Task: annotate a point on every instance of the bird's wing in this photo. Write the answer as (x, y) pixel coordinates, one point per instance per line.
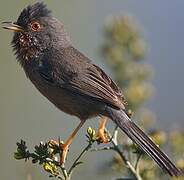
(95, 83)
(74, 72)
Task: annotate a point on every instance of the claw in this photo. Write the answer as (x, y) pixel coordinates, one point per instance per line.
(64, 147)
(101, 131)
(63, 154)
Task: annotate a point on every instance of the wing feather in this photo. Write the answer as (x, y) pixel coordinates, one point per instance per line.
(75, 72)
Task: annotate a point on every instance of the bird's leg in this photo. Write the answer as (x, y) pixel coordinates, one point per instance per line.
(64, 147)
(101, 130)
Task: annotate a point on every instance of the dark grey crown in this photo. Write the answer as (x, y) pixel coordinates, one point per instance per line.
(32, 12)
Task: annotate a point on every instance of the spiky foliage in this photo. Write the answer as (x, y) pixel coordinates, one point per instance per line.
(124, 52)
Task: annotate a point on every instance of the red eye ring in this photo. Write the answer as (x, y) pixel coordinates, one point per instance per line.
(35, 26)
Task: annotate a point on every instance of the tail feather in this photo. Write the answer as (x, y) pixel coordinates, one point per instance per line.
(143, 141)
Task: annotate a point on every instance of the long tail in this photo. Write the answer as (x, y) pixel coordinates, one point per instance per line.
(142, 140)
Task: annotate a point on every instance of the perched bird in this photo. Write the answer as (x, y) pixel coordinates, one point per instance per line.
(71, 81)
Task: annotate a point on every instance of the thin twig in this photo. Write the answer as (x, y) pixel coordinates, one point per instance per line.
(137, 161)
(58, 176)
(65, 174)
(123, 157)
(102, 149)
(78, 158)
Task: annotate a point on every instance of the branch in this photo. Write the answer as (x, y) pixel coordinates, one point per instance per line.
(116, 148)
(77, 162)
(46, 154)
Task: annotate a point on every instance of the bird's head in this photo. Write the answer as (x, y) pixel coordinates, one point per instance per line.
(36, 31)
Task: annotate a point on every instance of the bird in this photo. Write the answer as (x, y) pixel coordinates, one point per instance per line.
(71, 81)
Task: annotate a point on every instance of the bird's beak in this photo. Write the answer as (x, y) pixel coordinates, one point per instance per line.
(12, 26)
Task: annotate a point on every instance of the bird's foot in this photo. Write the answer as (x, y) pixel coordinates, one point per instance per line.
(63, 154)
(62, 148)
(101, 131)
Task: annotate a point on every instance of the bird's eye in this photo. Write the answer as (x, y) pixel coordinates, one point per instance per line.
(35, 26)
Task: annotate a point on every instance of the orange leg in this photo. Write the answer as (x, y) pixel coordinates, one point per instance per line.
(64, 147)
(101, 130)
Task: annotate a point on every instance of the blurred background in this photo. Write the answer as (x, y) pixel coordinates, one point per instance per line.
(25, 113)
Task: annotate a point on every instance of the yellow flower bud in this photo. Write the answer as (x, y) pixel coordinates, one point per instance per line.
(50, 167)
